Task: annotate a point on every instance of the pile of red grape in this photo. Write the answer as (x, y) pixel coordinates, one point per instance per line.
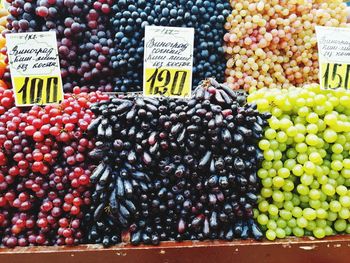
(173, 169)
(101, 42)
(44, 173)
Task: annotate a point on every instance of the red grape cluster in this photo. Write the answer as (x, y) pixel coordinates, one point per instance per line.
(44, 179)
(95, 70)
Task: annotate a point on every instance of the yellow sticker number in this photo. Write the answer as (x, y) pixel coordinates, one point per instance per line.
(335, 75)
(37, 90)
(168, 82)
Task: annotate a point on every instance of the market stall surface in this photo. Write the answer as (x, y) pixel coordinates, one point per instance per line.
(309, 250)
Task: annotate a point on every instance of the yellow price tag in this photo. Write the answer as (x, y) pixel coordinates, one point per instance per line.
(335, 75)
(37, 90)
(168, 61)
(35, 68)
(168, 82)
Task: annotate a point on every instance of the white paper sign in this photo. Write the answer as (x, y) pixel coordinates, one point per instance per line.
(168, 61)
(334, 56)
(35, 68)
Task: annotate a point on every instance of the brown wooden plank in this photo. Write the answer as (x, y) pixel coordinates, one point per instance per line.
(330, 250)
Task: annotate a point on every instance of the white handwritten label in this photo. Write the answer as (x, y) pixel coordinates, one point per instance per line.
(334, 56)
(168, 61)
(35, 68)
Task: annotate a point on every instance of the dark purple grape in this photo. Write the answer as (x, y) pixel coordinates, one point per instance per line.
(178, 177)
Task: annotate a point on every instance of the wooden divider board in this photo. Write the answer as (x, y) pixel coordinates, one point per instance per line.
(293, 250)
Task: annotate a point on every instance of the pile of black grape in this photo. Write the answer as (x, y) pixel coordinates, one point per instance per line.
(101, 42)
(131, 16)
(175, 169)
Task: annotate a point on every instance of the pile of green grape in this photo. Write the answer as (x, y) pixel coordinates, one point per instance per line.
(306, 172)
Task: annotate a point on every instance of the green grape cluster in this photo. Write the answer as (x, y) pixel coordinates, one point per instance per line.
(305, 174)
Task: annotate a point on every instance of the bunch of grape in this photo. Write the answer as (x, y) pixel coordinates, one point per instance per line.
(83, 36)
(273, 43)
(67, 19)
(44, 174)
(306, 171)
(101, 42)
(176, 169)
(95, 69)
(130, 18)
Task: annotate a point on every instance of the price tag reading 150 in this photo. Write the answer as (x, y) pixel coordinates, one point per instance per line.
(334, 57)
(168, 61)
(335, 75)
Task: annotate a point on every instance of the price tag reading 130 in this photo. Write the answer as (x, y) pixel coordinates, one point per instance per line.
(334, 57)
(168, 61)
(35, 69)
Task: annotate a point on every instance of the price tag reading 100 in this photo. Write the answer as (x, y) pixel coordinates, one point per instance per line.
(37, 90)
(168, 61)
(35, 69)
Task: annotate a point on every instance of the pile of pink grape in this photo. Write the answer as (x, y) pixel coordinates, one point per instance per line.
(272, 43)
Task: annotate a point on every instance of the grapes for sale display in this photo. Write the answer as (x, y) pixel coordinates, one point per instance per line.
(101, 42)
(176, 169)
